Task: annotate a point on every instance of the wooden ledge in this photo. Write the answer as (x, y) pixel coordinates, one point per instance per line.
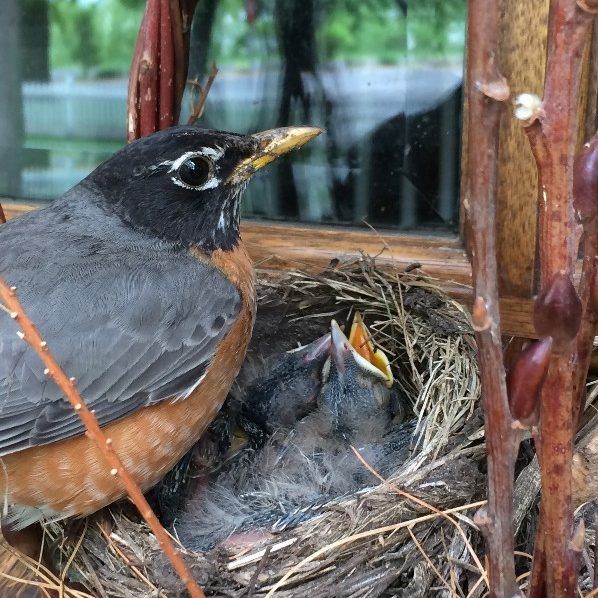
(278, 246)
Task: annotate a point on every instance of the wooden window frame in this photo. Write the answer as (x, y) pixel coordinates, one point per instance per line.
(284, 246)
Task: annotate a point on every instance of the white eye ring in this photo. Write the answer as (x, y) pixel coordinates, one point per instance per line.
(210, 180)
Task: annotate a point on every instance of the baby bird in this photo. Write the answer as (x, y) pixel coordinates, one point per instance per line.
(274, 392)
(281, 390)
(355, 400)
(308, 461)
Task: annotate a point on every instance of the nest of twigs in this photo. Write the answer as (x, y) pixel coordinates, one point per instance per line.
(411, 535)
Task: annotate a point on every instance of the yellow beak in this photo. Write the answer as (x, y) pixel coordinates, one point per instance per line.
(271, 145)
(361, 340)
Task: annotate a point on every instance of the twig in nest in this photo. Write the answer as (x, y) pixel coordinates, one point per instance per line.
(259, 568)
(70, 560)
(49, 581)
(198, 104)
(136, 571)
(423, 503)
(68, 386)
(372, 533)
(428, 560)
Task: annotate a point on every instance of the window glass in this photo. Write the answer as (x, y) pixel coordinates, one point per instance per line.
(384, 77)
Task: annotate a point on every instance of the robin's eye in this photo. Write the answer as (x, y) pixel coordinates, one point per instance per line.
(195, 172)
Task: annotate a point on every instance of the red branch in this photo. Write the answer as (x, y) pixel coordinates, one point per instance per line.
(167, 68)
(587, 210)
(149, 69)
(69, 388)
(486, 91)
(553, 139)
(159, 67)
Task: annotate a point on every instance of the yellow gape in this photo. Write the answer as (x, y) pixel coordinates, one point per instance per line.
(361, 341)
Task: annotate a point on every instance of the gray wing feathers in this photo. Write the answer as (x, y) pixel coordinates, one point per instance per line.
(134, 324)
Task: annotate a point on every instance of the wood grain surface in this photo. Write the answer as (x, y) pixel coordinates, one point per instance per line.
(286, 246)
(523, 59)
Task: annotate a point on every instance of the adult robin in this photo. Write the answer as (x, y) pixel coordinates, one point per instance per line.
(138, 280)
(306, 464)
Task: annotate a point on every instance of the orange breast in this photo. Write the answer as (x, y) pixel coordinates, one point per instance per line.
(71, 476)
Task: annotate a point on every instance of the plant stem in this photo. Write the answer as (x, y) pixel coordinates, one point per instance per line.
(159, 67)
(486, 90)
(553, 138)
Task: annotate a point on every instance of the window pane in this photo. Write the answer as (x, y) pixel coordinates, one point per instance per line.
(384, 77)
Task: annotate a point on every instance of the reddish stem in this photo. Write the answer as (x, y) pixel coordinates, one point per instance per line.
(198, 107)
(589, 322)
(133, 92)
(486, 89)
(167, 68)
(586, 202)
(187, 9)
(159, 67)
(181, 58)
(149, 70)
(553, 141)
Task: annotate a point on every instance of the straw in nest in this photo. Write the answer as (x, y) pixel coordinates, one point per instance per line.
(412, 534)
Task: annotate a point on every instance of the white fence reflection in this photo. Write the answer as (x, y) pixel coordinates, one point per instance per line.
(94, 110)
(72, 126)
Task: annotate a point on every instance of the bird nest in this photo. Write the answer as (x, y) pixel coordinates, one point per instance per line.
(410, 534)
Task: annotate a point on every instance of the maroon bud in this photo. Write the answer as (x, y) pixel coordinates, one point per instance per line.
(585, 182)
(525, 380)
(557, 310)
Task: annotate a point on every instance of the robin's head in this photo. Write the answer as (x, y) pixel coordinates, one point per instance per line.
(184, 184)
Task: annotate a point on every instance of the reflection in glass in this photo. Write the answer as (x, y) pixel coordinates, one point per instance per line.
(382, 76)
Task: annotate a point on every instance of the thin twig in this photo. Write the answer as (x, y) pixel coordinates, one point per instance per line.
(428, 560)
(49, 580)
(70, 560)
(136, 571)
(198, 106)
(364, 535)
(259, 568)
(422, 503)
(69, 388)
